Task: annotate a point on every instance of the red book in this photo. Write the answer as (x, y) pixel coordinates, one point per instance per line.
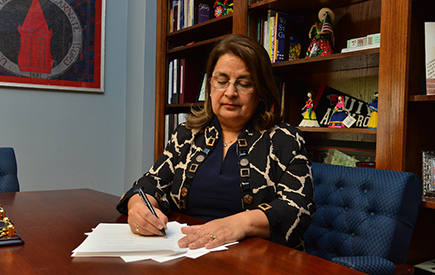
(190, 79)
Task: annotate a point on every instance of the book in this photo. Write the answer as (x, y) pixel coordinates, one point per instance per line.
(277, 31)
(186, 13)
(180, 15)
(373, 39)
(279, 37)
(271, 33)
(429, 34)
(295, 48)
(266, 35)
(203, 13)
(175, 81)
(174, 25)
(326, 99)
(359, 48)
(362, 43)
(182, 117)
(190, 78)
(170, 81)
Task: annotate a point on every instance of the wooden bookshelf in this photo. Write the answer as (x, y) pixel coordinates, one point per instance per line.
(394, 69)
(405, 119)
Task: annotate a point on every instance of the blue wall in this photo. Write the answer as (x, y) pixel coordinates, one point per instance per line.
(69, 140)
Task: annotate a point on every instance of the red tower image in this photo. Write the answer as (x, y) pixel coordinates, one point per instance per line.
(35, 55)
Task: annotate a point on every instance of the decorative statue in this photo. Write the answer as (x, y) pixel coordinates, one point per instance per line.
(310, 119)
(222, 8)
(373, 121)
(338, 115)
(323, 36)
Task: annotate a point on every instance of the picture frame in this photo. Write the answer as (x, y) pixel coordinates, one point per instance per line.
(428, 163)
(52, 44)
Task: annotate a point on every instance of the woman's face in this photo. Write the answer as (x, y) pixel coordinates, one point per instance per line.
(233, 108)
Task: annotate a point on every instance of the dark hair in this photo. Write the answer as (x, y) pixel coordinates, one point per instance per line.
(257, 61)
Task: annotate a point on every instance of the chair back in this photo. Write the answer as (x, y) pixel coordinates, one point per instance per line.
(363, 212)
(8, 170)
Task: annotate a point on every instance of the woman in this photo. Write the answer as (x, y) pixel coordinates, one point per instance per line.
(233, 155)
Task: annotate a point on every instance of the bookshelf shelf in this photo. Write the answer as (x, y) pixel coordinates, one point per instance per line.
(201, 46)
(337, 130)
(421, 98)
(181, 108)
(200, 33)
(302, 7)
(335, 62)
(198, 29)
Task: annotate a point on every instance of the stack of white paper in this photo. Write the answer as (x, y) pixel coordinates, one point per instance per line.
(117, 240)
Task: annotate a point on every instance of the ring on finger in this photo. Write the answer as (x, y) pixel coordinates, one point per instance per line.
(212, 237)
(137, 228)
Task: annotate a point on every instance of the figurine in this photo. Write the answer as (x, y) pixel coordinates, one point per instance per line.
(323, 39)
(222, 8)
(310, 119)
(373, 121)
(338, 115)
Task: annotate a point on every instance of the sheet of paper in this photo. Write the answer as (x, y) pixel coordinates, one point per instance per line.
(116, 239)
(193, 254)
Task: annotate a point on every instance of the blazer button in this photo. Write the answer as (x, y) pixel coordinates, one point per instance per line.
(247, 199)
(244, 162)
(184, 191)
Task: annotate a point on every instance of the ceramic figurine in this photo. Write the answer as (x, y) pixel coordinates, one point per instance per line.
(373, 121)
(310, 119)
(322, 35)
(338, 115)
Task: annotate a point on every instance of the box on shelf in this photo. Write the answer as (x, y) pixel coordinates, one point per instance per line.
(361, 43)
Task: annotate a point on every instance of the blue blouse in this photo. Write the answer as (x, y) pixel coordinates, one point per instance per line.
(215, 190)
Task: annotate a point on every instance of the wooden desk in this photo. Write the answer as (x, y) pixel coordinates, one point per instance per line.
(53, 223)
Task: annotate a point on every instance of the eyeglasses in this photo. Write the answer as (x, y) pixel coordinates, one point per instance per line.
(221, 83)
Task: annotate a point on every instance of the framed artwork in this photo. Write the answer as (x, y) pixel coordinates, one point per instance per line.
(52, 44)
(428, 173)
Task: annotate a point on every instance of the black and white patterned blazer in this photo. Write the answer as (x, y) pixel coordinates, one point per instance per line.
(275, 176)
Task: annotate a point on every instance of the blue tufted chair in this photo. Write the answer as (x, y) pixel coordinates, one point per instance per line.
(365, 217)
(8, 170)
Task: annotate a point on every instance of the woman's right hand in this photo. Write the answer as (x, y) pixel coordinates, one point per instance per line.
(141, 220)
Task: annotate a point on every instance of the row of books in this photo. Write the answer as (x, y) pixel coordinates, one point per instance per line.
(185, 80)
(171, 122)
(186, 13)
(280, 35)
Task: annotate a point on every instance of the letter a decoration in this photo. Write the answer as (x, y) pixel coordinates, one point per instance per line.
(52, 44)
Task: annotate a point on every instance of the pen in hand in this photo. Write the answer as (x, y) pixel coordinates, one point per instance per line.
(148, 204)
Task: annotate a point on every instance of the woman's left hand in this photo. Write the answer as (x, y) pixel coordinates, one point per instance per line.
(226, 230)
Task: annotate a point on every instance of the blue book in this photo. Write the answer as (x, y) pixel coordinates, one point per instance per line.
(181, 14)
(279, 37)
(203, 13)
(174, 15)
